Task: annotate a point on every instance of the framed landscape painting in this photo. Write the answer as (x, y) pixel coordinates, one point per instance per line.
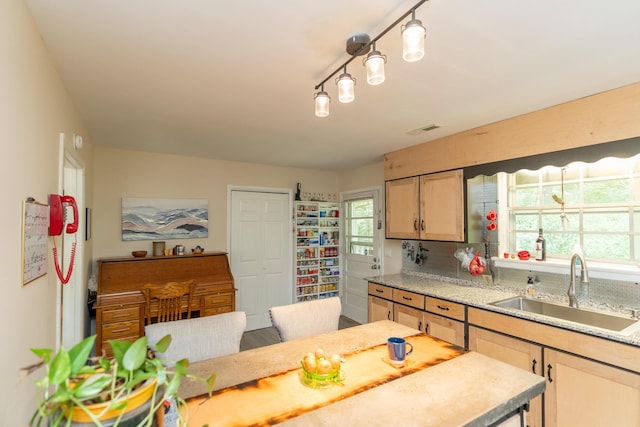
(164, 219)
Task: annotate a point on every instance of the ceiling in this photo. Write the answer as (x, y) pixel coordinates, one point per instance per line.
(234, 80)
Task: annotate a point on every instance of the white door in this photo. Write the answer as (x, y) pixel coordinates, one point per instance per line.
(260, 253)
(362, 249)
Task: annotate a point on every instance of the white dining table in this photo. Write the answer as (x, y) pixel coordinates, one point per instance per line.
(440, 385)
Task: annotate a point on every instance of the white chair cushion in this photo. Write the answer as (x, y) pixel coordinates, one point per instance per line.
(307, 318)
(200, 338)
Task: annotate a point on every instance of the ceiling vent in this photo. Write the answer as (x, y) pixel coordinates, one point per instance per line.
(423, 129)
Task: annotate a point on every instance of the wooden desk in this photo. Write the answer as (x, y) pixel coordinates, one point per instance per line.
(120, 306)
(441, 385)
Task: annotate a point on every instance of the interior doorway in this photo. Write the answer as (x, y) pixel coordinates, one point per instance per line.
(260, 251)
(72, 296)
(362, 250)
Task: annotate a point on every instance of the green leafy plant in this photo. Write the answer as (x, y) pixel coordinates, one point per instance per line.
(74, 379)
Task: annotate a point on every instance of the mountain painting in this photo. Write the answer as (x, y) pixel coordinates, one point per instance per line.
(153, 219)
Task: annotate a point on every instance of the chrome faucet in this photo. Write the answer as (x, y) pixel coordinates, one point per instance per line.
(584, 278)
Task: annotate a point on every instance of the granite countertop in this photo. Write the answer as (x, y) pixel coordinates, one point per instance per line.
(480, 296)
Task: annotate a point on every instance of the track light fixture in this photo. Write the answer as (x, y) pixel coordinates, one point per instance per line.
(374, 62)
(413, 36)
(322, 102)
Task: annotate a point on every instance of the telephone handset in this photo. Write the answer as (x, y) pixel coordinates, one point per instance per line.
(58, 214)
(57, 219)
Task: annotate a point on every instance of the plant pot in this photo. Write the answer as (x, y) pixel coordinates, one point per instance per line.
(138, 406)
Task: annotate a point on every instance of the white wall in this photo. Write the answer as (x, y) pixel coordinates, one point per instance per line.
(34, 109)
(122, 173)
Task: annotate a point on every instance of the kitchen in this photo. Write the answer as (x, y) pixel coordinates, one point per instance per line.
(114, 172)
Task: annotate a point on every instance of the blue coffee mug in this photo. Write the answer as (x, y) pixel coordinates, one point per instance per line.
(398, 350)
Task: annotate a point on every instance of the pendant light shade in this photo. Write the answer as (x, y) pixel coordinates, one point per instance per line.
(322, 102)
(374, 62)
(413, 35)
(346, 87)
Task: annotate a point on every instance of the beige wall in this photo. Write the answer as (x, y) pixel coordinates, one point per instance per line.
(34, 109)
(122, 173)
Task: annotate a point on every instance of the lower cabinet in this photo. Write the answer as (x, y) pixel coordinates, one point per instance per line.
(407, 308)
(513, 351)
(581, 392)
(380, 309)
(444, 328)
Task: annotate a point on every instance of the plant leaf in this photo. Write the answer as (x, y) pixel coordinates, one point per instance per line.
(43, 353)
(119, 349)
(80, 352)
(60, 367)
(164, 343)
(135, 354)
(93, 385)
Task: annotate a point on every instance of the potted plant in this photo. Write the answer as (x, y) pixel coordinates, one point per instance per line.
(125, 390)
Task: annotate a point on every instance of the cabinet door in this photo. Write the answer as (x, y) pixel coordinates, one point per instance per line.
(442, 206)
(582, 392)
(380, 309)
(515, 352)
(408, 316)
(402, 208)
(445, 329)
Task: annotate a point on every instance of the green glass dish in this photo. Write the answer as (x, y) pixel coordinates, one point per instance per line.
(316, 380)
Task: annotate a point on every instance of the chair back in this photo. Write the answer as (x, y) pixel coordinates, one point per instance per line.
(169, 300)
(201, 337)
(306, 319)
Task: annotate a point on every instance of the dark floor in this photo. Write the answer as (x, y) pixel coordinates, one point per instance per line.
(267, 336)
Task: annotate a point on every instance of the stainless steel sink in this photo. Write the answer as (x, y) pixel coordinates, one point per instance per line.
(610, 322)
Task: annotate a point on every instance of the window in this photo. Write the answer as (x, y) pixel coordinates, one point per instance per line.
(596, 206)
(359, 226)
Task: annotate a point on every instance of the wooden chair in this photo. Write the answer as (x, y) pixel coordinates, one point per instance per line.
(306, 319)
(168, 298)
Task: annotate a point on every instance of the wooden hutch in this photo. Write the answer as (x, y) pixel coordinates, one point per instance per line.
(120, 306)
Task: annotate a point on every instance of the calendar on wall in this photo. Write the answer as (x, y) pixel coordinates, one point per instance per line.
(35, 230)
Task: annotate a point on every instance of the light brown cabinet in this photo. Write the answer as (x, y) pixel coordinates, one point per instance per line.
(580, 390)
(120, 306)
(428, 207)
(513, 351)
(408, 308)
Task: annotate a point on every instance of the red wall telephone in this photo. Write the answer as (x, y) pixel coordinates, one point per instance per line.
(57, 214)
(57, 219)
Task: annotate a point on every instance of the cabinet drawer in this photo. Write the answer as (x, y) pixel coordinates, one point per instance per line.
(209, 301)
(445, 308)
(408, 298)
(121, 314)
(380, 291)
(216, 310)
(120, 330)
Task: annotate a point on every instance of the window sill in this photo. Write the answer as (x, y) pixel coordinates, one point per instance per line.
(597, 270)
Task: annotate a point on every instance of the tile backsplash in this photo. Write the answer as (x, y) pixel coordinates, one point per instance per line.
(438, 259)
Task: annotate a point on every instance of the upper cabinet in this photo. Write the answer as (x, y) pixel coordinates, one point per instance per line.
(428, 207)
(403, 208)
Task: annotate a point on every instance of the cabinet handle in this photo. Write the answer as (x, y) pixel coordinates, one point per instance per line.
(533, 366)
(389, 315)
(422, 225)
(415, 224)
(121, 315)
(407, 298)
(379, 290)
(549, 373)
(121, 330)
(426, 328)
(443, 308)
(420, 325)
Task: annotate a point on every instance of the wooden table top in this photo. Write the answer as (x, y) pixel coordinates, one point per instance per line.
(263, 386)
